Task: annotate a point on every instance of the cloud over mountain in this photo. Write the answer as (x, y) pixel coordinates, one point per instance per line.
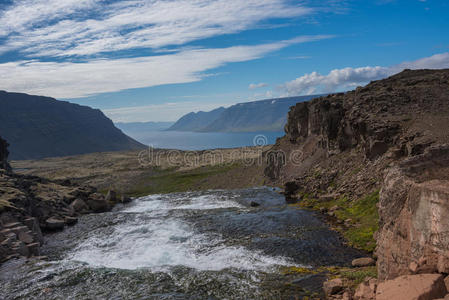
(348, 78)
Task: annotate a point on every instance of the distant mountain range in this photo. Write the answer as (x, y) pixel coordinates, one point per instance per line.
(264, 115)
(38, 127)
(196, 121)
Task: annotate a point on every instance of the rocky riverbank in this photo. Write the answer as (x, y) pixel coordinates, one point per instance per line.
(30, 205)
(375, 160)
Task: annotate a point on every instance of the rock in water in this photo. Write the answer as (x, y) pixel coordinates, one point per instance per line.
(98, 203)
(54, 223)
(79, 205)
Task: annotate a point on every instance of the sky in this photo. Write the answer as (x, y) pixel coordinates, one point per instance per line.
(156, 60)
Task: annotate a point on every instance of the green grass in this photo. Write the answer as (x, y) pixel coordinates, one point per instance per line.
(172, 181)
(359, 275)
(363, 213)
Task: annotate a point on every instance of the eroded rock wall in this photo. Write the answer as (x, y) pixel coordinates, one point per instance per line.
(392, 136)
(4, 155)
(414, 209)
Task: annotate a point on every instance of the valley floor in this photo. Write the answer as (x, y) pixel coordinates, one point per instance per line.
(153, 171)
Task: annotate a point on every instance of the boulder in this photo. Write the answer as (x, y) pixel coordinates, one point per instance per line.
(98, 205)
(254, 204)
(79, 205)
(332, 287)
(20, 248)
(412, 287)
(26, 237)
(54, 223)
(70, 220)
(33, 249)
(366, 290)
(363, 262)
(33, 225)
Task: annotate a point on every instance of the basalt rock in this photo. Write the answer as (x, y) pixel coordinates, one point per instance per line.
(4, 155)
(391, 135)
(29, 204)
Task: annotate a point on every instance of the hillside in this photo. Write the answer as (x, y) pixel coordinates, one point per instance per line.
(38, 127)
(376, 160)
(195, 121)
(264, 115)
(139, 130)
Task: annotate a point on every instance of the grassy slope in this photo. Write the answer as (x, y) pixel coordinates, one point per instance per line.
(362, 215)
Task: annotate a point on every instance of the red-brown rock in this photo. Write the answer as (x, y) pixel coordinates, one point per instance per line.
(412, 287)
(332, 287)
(363, 262)
(366, 290)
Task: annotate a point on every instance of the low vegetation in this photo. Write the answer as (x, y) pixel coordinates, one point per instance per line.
(360, 217)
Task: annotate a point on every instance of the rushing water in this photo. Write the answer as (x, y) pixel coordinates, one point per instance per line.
(197, 245)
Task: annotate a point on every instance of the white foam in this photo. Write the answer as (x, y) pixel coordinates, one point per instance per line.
(166, 202)
(165, 243)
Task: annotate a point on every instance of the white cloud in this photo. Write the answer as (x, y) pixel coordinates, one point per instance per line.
(159, 112)
(86, 27)
(348, 78)
(73, 80)
(254, 86)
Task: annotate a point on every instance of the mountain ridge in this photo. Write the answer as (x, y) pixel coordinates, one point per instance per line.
(39, 127)
(261, 115)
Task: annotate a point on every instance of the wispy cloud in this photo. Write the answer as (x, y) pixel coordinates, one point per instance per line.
(76, 48)
(79, 79)
(160, 112)
(254, 86)
(87, 27)
(348, 78)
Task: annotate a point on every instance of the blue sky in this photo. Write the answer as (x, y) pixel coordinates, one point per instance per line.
(156, 60)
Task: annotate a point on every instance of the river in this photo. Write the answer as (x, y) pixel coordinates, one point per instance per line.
(195, 245)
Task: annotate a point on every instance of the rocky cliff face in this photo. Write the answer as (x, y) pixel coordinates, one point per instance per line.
(30, 205)
(4, 155)
(390, 136)
(414, 210)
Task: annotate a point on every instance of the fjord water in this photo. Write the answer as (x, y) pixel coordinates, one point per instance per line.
(185, 140)
(196, 245)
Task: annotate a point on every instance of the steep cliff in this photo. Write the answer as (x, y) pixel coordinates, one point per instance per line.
(340, 150)
(4, 155)
(38, 127)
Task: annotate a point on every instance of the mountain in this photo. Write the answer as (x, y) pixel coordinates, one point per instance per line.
(196, 121)
(264, 115)
(38, 127)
